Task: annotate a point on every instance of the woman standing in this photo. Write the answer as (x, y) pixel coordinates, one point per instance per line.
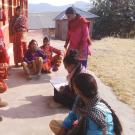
(18, 29)
(78, 35)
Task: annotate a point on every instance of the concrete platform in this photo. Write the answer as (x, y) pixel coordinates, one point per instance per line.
(31, 106)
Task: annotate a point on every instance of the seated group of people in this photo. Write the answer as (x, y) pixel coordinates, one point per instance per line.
(89, 115)
(80, 95)
(43, 59)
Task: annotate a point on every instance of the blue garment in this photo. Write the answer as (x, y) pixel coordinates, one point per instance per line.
(29, 56)
(92, 127)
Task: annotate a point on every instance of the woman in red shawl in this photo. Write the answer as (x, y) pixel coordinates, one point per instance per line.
(78, 35)
(53, 56)
(18, 29)
(4, 61)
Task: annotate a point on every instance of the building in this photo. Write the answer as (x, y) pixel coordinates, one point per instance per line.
(61, 23)
(43, 21)
(8, 9)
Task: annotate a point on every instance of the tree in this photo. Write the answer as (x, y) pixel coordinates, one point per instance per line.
(116, 18)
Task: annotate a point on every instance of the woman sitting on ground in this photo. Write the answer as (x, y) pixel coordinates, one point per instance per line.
(50, 61)
(33, 60)
(4, 62)
(66, 95)
(99, 116)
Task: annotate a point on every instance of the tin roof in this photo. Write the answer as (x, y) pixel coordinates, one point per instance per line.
(85, 14)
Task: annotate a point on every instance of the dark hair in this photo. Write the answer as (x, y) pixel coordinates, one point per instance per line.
(18, 8)
(88, 87)
(86, 84)
(70, 58)
(70, 10)
(46, 39)
(31, 42)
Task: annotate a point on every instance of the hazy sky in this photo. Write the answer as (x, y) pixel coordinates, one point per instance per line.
(56, 2)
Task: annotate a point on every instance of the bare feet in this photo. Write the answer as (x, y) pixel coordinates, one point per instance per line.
(3, 104)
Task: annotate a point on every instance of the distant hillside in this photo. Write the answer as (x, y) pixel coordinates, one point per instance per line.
(44, 7)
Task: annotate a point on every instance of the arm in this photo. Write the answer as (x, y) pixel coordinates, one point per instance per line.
(27, 57)
(68, 121)
(67, 40)
(85, 34)
(41, 53)
(56, 51)
(6, 56)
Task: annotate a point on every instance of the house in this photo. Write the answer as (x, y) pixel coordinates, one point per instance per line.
(8, 9)
(61, 23)
(43, 21)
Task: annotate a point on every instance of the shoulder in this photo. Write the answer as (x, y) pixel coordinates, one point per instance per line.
(83, 20)
(102, 107)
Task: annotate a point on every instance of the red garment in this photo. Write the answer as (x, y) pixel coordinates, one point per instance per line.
(3, 86)
(19, 47)
(2, 15)
(1, 35)
(78, 36)
(4, 58)
(49, 50)
(51, 60)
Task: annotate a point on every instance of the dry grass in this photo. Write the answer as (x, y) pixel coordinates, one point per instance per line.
(113, 61)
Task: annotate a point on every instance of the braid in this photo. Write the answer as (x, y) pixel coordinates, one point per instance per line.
(116, 121)
(77, 71)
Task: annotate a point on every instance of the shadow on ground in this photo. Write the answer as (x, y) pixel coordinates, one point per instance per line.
(38, 107)
(17, 78)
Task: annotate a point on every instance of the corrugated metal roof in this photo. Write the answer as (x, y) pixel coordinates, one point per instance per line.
(85, 14)
(42, 20)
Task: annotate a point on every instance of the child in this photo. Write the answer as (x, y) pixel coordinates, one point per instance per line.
(33, 60)
(99, 116)
(66, 95)
(50, 61)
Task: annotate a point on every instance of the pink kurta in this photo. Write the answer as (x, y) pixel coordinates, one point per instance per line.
(78, 37)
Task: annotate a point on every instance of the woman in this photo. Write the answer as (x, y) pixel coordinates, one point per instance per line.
(66, 95)
(33, 60)
(100, 118)
(78, 35)
(4, 62)
(53, 57)
(18, 29)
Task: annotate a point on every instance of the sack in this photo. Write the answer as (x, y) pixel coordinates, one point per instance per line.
(80, 129)
(3, 86)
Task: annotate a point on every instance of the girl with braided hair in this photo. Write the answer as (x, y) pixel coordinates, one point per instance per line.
(100, 117)
(66, 96)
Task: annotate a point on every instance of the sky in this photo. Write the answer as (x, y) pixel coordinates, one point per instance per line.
(56, 2)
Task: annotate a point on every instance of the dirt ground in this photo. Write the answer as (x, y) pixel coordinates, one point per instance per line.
(31, 106)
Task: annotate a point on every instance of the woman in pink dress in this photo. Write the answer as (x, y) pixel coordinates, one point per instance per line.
(78, 35)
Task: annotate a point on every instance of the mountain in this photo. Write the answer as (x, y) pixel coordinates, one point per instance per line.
(44, 7)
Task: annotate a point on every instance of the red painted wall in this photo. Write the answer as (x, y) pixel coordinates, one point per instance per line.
(8, 6)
